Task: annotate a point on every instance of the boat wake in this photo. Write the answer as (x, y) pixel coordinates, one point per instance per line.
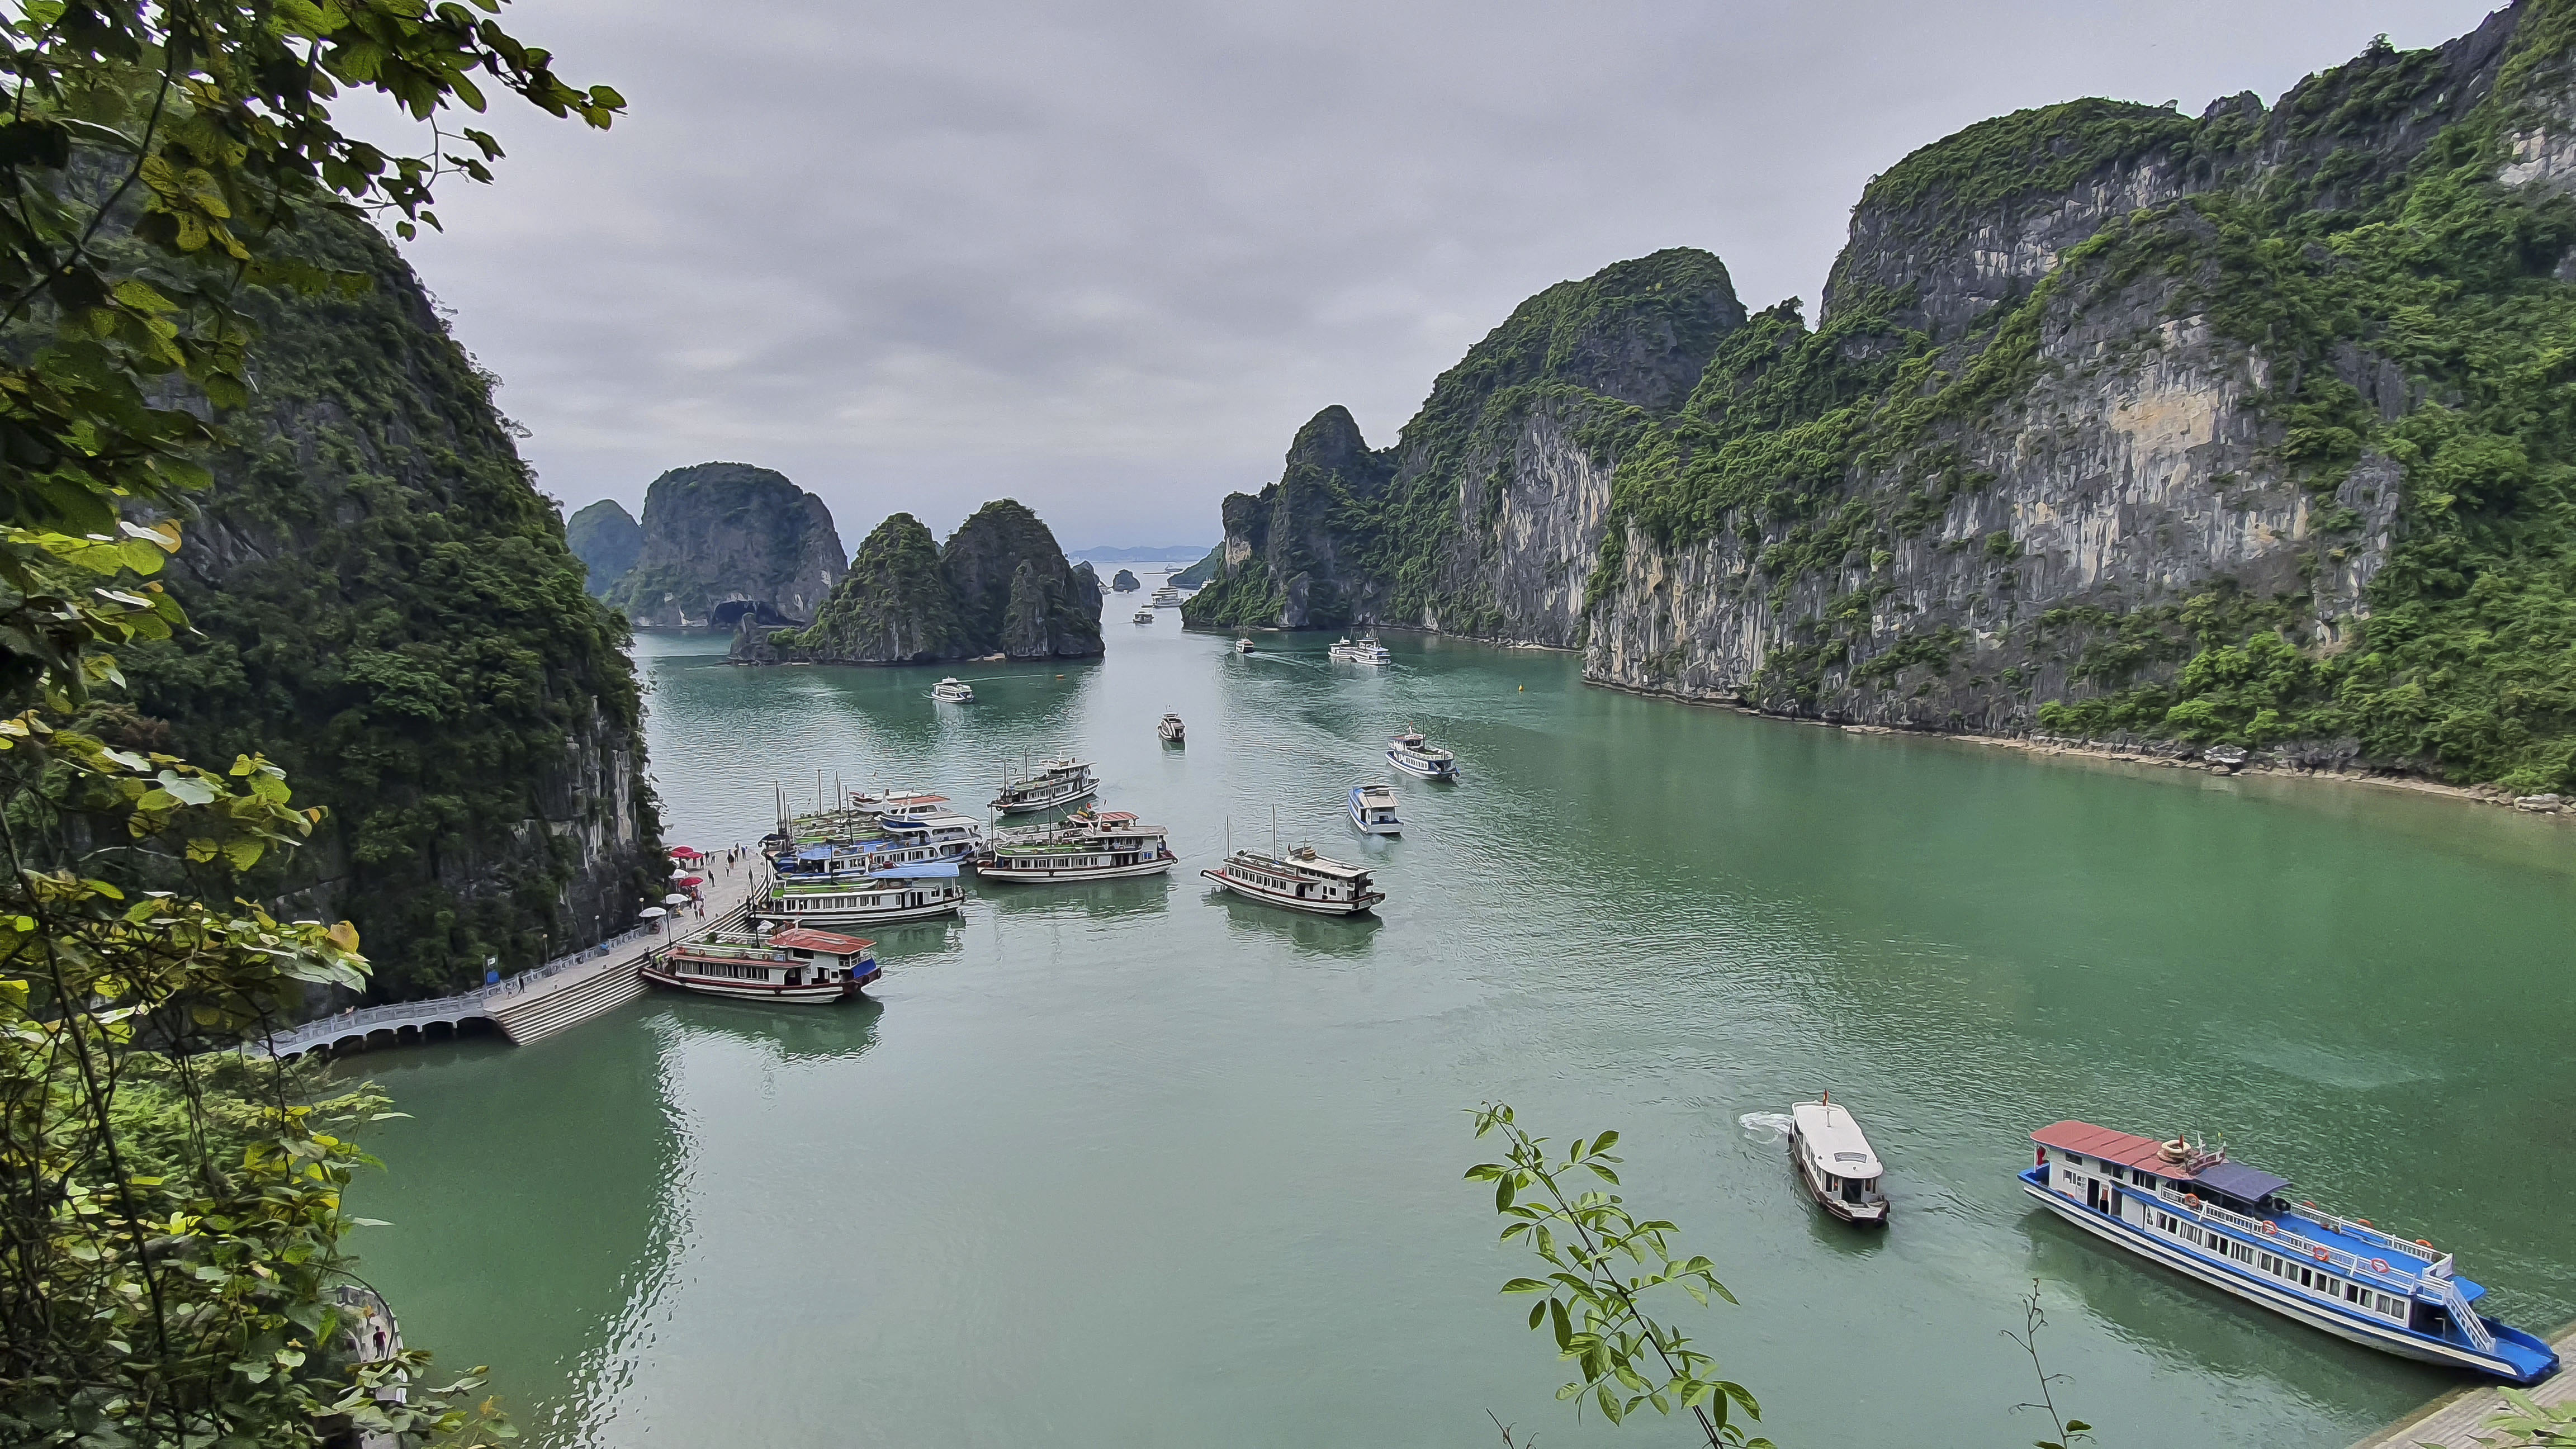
(1764, 1127)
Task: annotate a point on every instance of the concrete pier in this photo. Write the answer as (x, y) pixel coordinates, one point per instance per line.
(539, 1002)
(2458, 1419)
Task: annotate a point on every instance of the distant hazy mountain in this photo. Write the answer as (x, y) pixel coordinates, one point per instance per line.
(1132, 553)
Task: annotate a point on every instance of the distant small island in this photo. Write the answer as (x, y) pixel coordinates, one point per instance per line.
(1125, 582)
(999, 586)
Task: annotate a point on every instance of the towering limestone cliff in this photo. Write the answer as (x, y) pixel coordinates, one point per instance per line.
(390, 612)
(1000, 585)
(607, 540)
(1484, 517)
(724, 539)
(2239, 430)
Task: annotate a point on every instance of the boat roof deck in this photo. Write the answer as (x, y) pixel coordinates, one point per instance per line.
(1835, 1139)
(1311, 865)
(2239, 1181)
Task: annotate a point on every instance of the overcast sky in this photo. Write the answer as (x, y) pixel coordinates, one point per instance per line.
(1105, 258)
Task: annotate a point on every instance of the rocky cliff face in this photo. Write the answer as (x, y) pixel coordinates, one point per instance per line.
(729, 533)
(607, 540)
(388, 609)
(1000, 585)
(2115, 422)
(1466, 523)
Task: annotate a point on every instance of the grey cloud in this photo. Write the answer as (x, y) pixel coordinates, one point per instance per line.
(1107, 257)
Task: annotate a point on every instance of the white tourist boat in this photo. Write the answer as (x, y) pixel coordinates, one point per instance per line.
(953, 690)
(888, 840)
(1836, 1162)
(874, 803)
(2228, 1225)
(1089, 845)
(1363, 650)
(897, 893)
(1051, 784)
(1242, 646)
(797, 964)
(1414, 755)
(1171, 731)
(1167, 597)
(1301, 880)
(1373, 809)
(1144, 616)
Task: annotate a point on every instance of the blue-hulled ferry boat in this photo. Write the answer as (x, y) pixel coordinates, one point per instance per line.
(2226, 1224)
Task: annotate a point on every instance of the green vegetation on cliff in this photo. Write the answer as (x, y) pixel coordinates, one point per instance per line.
(1000, 585)
(606, 538)
(1349, 532)
(1837, 444)
(388, 608)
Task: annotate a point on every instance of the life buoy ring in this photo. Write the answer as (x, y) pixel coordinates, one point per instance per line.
(2191, 1200)
(2323, 1256)
(2379, 1265)
(2419, 1242)
(2271, 1229)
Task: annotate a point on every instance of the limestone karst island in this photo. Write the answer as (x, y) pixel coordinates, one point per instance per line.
(1695, 725)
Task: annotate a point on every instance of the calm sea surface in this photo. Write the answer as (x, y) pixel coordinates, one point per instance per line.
(1136, 1164)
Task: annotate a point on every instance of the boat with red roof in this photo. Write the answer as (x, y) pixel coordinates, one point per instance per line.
(796, 964)
(2227, 1224)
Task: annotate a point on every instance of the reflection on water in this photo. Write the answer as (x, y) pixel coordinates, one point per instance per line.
(836, 1031)
(1307, 934)
(535, 1202)
(1099, 900)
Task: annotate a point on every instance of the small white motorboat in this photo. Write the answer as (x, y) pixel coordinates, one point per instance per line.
(1242, 646)
(1171, 730)
(1363, 650)
(1373, 809)
(953, 690)
(1414, 755)
(1835, 1161)
(1144, 616)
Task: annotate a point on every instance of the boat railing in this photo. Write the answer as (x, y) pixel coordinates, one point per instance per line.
(2296, 1244)
(2441, 1262)
(2464, 1314)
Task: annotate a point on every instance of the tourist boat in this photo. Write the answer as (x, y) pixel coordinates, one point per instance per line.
(1835, 1161)
(1053, 783)
(1171, 730)
(796, 964)
(891, 840)
(1373, 809)
(952, 690)
(1414, 755)
(1167, 597)
(1089, 845)
(2227, 1224)
(895, 893)
(874, 803)
(1363, 650)
(1144, 616)
(1242, 646)
(1300, 880)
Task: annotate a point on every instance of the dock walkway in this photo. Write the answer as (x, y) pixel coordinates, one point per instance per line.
(541, 1001)
(2459, 1418)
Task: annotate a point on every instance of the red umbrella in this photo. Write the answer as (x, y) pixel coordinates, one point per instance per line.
(682, 852)
(690, 880)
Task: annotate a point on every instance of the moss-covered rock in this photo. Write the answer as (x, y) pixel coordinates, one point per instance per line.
(999, 586)
(607, 539)
(389, 609)
(718, 534)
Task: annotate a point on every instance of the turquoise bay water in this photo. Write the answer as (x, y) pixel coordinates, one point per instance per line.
(1137, 1164)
